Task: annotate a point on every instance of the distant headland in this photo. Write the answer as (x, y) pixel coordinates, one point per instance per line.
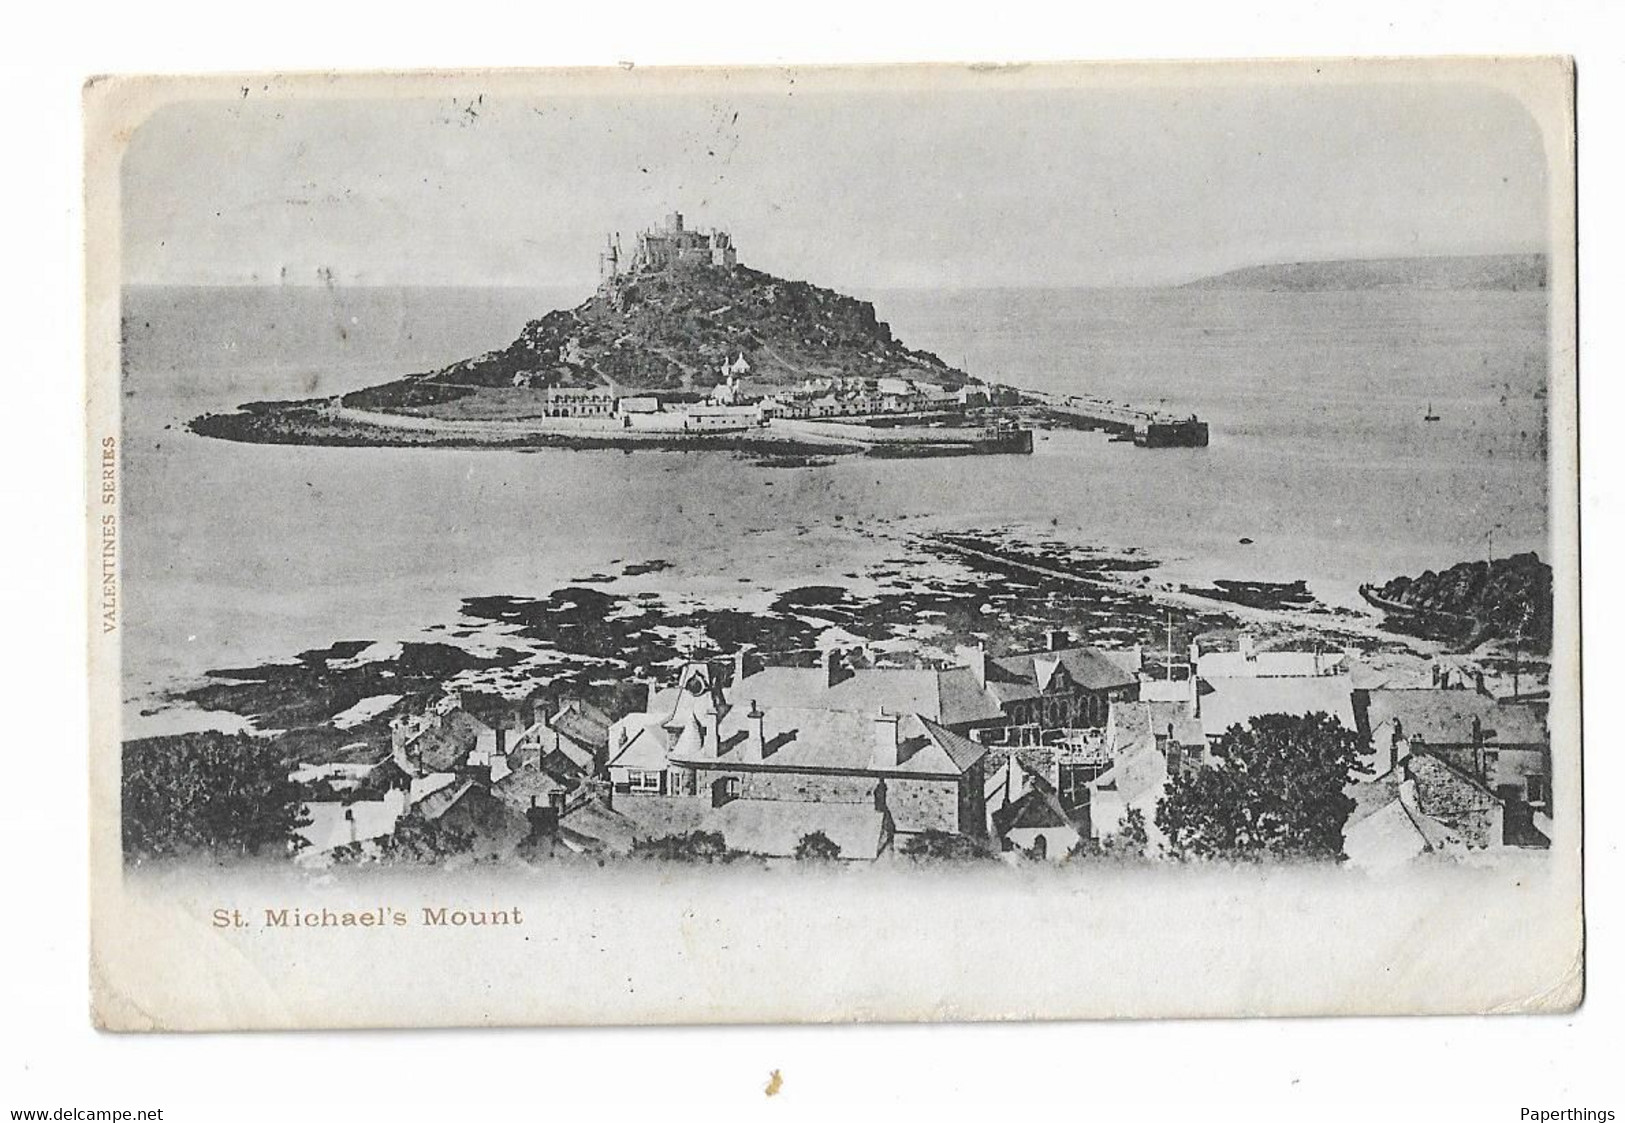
(1513, 272)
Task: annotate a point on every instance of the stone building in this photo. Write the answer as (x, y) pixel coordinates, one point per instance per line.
(1061, 686)
(665, 248)
(797, 748)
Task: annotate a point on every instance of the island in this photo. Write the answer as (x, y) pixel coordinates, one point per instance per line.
(682, 346)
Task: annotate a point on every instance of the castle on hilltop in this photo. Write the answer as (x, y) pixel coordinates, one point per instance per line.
(667, 249)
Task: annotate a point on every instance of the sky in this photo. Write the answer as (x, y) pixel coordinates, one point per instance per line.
(860, 187)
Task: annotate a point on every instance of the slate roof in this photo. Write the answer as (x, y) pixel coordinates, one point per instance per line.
(328, 828)
(437, 803)
(582, 723)
(646, 747)
(1381, 833)
(1039, 807)
(950, 697)
(1136, 725)
(1026, 675)
(526, 783)
(1269, 664)
(441, 747)
(1445, 717)
(801, 739)
(1236, 701)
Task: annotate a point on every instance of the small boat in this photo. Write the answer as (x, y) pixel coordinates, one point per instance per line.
(1430, 415)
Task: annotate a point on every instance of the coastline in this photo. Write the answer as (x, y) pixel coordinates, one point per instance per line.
(325, 423)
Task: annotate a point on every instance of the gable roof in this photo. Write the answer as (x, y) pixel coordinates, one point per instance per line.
(951, 697)
(1445, 717)
(1236, 701)
(1270, 664)
(527, 786)
(799, 739)
(443, 745)
(1029, 673)
(647, 744)
(582, 723)
(1137, 725)
(1380, 833)
(1038, 807)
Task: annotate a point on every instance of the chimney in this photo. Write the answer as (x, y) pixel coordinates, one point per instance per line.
(1196, 694)
(1248, 652)
(978, 663)
(349, 822)
(755, 733)
(1056, 639)
(832, 667)
(1015, 783)
(649, 706)
(711, 732)
(741, 665)
(887, 738)
(1478, 678)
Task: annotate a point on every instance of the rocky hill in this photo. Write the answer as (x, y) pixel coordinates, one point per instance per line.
(1508, 272)
(1476, 601)
(673, 330)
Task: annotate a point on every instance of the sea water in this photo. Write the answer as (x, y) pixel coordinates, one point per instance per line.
(236, 554)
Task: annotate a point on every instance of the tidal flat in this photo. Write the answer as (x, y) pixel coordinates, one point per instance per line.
(935, 597)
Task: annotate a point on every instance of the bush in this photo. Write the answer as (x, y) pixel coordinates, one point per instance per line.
(817, 847)
(695, 846)
(943, 846)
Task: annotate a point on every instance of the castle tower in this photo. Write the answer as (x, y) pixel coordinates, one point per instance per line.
(609, 258)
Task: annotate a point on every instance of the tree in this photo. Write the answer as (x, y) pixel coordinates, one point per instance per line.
(415, 840)
(1129, 844)
(1275, 791)
(818, 847)
(227, 795)
(944, 846)
(695, 846)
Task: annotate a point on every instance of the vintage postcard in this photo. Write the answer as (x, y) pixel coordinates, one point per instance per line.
(776, 544)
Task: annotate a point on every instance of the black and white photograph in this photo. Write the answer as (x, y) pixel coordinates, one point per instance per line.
(963, 520)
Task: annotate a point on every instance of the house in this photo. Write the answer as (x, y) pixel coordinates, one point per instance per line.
(1036, 822)
(801, 752)
(921, 775)
(1059, 687)
(1383, 831)
(972, 395)
(1225, 702)
(1147, 743)
(954, 698)
(442, 737)
(1247, 661)
(1502, 744)
(640, 743)
(331, 824)
(642, 403)
(578, 401)
(576, 738)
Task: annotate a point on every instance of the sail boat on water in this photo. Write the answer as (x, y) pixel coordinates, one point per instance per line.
(1430, 415)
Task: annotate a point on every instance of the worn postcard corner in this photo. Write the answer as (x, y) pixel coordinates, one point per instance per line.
(1068, 541)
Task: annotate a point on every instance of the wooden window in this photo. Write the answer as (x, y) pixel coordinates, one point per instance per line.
(1536, 790)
